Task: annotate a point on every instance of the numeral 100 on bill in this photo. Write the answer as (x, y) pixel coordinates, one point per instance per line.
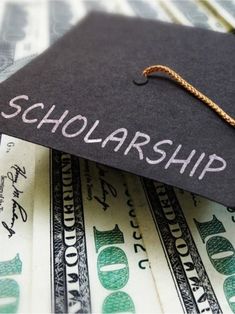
(9, 288)
(113, 270)
(221, 253)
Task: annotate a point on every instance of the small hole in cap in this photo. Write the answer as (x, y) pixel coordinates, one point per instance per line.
(140, 80)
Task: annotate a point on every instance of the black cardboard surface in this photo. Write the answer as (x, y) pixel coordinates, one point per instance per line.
(89, 72)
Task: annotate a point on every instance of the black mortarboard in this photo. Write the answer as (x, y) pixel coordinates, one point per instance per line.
(79, 97)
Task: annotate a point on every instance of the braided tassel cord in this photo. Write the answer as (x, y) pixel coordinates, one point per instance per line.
(191, 89)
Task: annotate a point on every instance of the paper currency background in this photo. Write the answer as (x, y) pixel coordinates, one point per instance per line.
(78, 237)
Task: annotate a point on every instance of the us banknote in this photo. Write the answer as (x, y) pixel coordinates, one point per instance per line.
(16, 221)
(190, 244)
(191, 13)
(22, 33)
(88, 253)
(225, 10)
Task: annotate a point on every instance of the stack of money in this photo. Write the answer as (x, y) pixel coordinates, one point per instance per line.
(78, 237)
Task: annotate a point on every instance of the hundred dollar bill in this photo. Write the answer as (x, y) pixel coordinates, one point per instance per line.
(191, 247)
(16, 215)
(225, 9)
(88, 252)
(22, 35)
(62, 15)
(191, 13)
(148, 9)
(46, 22)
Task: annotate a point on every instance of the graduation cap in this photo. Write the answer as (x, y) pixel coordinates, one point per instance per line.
(79, 97)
